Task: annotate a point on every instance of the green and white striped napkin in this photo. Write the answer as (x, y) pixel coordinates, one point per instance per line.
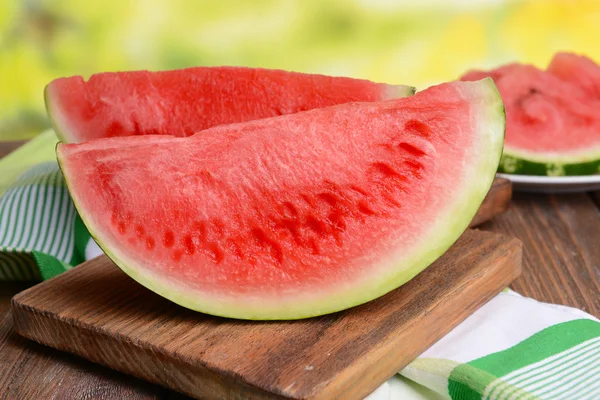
(511, 348)
(514, 348)
(41, 234)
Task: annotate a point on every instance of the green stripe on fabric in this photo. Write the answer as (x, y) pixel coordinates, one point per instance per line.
(54, 195)
(14, 213)
(546, 343)
(57, 220)
(63, 248)
(82, 237)
(467, 382)
(592, 392)
(61, 212)
(575, 380)
(29, 211)
(36, 213)
(20, 203)
(470, 380)
(35, 239)
(563, 367)
(18, 216)
(5, 214)
(49, 266)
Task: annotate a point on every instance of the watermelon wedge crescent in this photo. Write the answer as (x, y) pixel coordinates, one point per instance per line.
(183, 102)
(293, 216)
(552, 119)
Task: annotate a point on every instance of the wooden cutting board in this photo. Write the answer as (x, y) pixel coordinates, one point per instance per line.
(99, 313)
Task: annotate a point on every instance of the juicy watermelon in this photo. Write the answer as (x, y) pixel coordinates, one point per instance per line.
(552, 117)
(183, 102)
(297, 215)
(580, 70)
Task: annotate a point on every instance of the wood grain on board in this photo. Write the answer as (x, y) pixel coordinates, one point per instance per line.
(561, 242)
(31, 371)
(96, 311)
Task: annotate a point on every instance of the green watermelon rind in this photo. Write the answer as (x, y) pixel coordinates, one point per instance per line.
(441, 236)
(519, 162)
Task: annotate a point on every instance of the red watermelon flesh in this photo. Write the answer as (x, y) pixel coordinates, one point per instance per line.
(544, 113)
(183, 102)
(495, 74)
(580, 70)
(297, 215)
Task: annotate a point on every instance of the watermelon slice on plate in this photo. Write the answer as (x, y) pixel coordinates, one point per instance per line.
(552, 117)
(292, 216)
(579, 70)
(183, 102)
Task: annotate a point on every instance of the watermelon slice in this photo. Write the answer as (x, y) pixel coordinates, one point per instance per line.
(183, 102)
(552, 117)
(580, 70)
(297, 215)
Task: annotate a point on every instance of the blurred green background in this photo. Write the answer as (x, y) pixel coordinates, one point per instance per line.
(412, 42)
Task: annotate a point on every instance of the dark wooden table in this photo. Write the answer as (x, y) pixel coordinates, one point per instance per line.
(561, 238)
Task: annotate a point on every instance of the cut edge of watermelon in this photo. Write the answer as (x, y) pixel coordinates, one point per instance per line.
(523, 162)
(490, 125)
(397, 91)
(55, 116)
(61, 124)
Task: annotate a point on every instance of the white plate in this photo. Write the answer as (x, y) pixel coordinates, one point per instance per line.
(553, 184)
